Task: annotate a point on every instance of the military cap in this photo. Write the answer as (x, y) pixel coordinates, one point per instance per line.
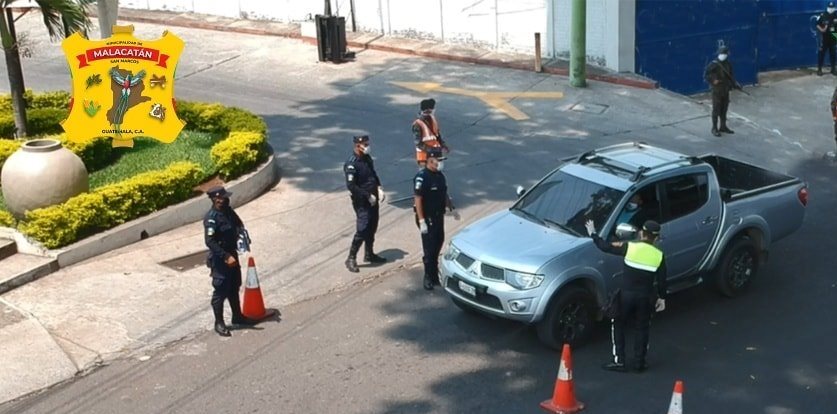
(218, 191)
(723, 49)
(359, 139)
(830, 4)
(435, 152)
(428, 104)
(651, 226)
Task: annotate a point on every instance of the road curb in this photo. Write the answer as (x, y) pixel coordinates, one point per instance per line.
(179, 22)
(244, 190)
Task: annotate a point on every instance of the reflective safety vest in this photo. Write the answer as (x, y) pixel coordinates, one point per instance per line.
(429, 136)
(643, 256)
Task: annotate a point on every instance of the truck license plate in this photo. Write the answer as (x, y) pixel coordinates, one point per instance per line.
(467, 288)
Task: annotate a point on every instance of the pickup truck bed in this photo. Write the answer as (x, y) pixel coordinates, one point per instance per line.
(740, 180)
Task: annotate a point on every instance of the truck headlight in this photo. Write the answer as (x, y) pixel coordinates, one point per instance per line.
(522, 280)
(451, 252)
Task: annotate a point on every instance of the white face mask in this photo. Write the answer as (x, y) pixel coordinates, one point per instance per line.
(367, 149)
(722, 57)
(632, 206)
(441, 165)
(831, 9)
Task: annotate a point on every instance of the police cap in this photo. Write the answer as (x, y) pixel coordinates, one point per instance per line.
(651, 226)
(428, 104)
(436, 153)
(830, 4)
(360, 139)
(218, 191)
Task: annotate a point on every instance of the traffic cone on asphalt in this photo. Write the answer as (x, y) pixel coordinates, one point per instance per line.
(676, 406)
(563, 399)
(253, 306)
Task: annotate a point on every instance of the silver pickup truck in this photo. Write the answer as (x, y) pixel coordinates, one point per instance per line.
(535, 262)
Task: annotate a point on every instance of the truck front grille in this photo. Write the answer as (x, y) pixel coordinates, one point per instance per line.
(491, 272)
(464, 260)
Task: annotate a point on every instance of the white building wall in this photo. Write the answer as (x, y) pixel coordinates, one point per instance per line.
(504, 25)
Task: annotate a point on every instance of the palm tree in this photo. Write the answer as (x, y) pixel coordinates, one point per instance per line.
(61, 18)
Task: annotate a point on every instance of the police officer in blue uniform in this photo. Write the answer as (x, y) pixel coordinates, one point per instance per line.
(222, 228)
(366, 193)
(431, 198)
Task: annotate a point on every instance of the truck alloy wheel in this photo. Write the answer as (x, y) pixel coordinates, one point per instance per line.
(737, 268)
(569, 318)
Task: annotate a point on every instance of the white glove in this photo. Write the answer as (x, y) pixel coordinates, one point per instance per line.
(423, 226)
(381, 195)
(591, 227)
(372, 199)
(660, 305)
(456, 215)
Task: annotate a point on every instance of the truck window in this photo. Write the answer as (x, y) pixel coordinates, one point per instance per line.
(569, 201)
(685, 194)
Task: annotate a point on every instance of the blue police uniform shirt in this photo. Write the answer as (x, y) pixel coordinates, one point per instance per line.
(220, 235)
(361, 178)
(433, 189)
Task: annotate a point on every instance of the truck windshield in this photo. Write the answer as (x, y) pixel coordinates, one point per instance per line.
(567, 201)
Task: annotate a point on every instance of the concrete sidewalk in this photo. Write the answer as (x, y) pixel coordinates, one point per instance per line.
(366, 40)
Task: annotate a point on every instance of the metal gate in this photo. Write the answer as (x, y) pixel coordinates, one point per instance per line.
(676, 39)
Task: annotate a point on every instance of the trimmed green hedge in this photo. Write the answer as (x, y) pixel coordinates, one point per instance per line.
(96, 153)
(7, 219)
(244, 148)
(111, 205)
(238, 153)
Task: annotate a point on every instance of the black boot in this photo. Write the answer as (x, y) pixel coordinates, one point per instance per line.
(715, 132)
(726, 130)
(222, 329)
(641, 366)
(351, 264)
(819, 71)
(615, 366)
(833, 72)
(428, 282)
(373, 258)
(243, 320)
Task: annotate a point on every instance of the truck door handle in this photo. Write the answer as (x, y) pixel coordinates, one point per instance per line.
(709, 220)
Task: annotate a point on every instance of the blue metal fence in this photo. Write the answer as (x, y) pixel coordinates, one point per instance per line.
(676, 39)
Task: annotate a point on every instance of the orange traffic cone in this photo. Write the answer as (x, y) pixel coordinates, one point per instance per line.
(563, 400)
(253, 306)
(676, 406)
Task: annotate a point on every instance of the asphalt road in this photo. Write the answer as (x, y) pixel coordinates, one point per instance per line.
(386, 346)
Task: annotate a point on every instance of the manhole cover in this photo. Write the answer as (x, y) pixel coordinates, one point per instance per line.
(590, 108)
(188, 262)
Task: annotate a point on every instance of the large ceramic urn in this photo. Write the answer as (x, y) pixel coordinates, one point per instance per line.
(41, 173)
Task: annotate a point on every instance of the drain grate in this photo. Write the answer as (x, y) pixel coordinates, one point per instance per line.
(188, 262)
(590, 108)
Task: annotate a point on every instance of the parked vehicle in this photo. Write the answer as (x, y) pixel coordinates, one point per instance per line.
(535, 263)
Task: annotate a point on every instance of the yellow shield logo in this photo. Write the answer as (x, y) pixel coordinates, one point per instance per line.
(123, 87)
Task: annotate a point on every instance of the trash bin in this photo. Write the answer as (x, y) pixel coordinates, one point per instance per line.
(331, 38)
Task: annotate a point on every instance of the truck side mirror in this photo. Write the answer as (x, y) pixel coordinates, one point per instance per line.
(520, 190)
(625, 232)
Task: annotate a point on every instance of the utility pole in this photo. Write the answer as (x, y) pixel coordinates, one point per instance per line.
(578, 44)
(107, 11)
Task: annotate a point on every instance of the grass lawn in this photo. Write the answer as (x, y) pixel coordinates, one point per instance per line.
(149, 154)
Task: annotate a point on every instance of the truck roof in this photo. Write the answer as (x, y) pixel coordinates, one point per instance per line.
(634, 160)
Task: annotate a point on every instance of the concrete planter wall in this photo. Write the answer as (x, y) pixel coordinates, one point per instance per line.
(41, 173)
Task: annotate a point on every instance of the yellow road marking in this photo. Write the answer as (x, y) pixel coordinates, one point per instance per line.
(497, 100)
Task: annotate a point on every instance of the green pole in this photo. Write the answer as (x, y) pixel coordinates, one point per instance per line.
(578, 44)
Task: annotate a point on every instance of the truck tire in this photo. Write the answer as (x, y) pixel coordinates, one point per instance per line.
(569, 318)
(737, 267)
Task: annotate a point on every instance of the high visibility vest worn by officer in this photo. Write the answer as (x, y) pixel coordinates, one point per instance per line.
(644, 269)
(426, 131)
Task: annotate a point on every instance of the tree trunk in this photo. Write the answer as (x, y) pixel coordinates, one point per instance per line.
(107, 14)
(15, 71)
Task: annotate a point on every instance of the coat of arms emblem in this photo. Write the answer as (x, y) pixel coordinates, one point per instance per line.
(125, 77)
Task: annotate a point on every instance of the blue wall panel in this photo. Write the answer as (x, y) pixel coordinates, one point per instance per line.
(676, 39)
